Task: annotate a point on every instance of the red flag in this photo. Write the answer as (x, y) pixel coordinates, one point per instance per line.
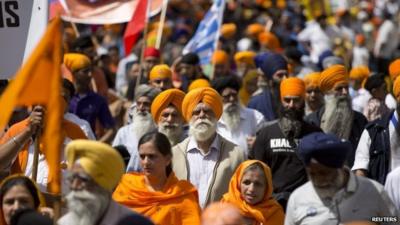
(135, 26)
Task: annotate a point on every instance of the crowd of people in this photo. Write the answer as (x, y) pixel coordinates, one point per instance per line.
(293, 121)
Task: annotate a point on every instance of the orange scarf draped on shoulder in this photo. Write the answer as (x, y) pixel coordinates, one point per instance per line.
(176, 204)
(70, 130)
(268, 211)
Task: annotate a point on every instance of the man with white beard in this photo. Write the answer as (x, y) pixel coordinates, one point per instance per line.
(238, 123)
(166, 110)
(94, 171)
(335, 195)
(205, 158)
(337, 116)
(142, 123)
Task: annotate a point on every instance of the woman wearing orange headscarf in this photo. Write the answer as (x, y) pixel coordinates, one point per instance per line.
(250, 189)
(157, 193)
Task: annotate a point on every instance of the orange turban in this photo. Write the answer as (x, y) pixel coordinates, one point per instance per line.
(199, 83)
(359, 73)
(160, 72)
(332, 76)
(255, 29)
(312, 79)
(269, 40)
(76, 61)
(228, 30)
(205, 95)
(164, 99)
(245, 57)
(360, 39)
(292, 86)
(220, 57)
(396, 87)
(394, 69)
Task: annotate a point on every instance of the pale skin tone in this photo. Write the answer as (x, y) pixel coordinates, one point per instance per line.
(154, 166)
(203, 111)
(171, 115)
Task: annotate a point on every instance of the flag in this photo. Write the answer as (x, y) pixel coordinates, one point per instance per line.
(205, 40)
(99, 11)
(135, 26)
(38, 82)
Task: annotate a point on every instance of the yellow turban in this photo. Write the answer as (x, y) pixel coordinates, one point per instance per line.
(199, 83)
(292, 86)
(164, 99)
(312, 79)
(160, 72)
(103, 163)
(396, 87)
(394, 69)
(331, 77)
(228, 30)
(76, 61)
(245, 57)
(359, 73)
(269, 40)
(205, 95)
(255, 29)
(220, 57)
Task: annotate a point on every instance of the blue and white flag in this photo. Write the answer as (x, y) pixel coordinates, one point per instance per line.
(205, 40)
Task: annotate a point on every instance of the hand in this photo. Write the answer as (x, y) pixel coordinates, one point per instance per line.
(46, 211)
(36, 119)
(250, 141)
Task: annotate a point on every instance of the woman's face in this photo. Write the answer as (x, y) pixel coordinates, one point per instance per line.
(153, 163)
(18, 197)
(253, 186)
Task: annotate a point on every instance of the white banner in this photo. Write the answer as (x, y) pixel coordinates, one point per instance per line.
(22, 23)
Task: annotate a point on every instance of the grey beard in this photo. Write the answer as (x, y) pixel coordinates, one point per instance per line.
(338, 117)
(174, 133)
(142, 124)
(290, 127)
(231, 115)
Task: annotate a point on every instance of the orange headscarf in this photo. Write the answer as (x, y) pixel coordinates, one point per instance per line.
(269, 40)
(163, 207)
(198, 83)
(332, 76)
(396, 87)
(245, 57)
(76, 61)
(206, 95)
(253, 30)
(228, 30)
(359, 73)
(312, 79)
(292, 86)
(394, 69)
(220, 57)
(268, 211)
(164, 99)
(160, 72)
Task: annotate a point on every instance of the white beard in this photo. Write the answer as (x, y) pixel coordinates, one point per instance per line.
(85, 208)
(202, 129)
(173, 131)
(142, 124)
(338, 116)
(231, 115)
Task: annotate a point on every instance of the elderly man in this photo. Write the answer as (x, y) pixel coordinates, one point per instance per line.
(141, 123)
(152, 57)
(94, 171)
(161, 77)
(337, 116)
(334, 195)
(314, 97)
(205, 158)
(166, 110)
(276, 143)
(274, 68)
(237, 123)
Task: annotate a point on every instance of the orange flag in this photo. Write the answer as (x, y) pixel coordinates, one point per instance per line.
(38, 82)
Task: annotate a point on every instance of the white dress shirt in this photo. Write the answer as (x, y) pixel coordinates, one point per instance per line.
(201, 166)
(392, 186)
(250, 121)
(360, 100)
(126, 136)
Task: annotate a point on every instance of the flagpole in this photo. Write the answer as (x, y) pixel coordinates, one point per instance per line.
(36, 155)
(216, 39)
(162, 23)
(144, 44)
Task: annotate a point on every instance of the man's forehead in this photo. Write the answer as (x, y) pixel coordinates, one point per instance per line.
(170, 109)
(143, 99)
(202, 105)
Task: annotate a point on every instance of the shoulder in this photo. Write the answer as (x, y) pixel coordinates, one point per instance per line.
(300, 192)
(181, 147)
(268, 126)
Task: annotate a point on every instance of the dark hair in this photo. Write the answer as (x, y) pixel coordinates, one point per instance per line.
(24, 181)
(69, 86)
(161, 142)
(374, 81)
(221, 83)
(29, 217)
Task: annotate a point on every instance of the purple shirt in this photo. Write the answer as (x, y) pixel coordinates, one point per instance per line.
(91, 107)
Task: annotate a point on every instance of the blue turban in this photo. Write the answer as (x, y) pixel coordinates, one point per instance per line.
(271, 63)
(327, 149)
(260, 58)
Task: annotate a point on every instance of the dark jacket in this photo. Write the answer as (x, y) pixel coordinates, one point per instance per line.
(359, 122)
